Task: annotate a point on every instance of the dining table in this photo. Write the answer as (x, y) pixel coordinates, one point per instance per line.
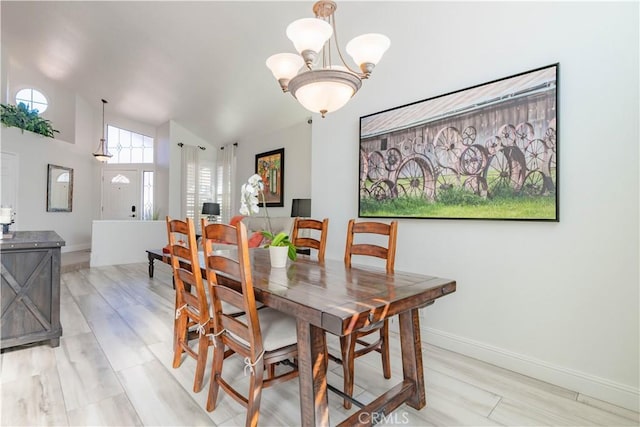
(328, 297)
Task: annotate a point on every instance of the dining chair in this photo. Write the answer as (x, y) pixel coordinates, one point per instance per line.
(191, 304)
(348, 342)
(310, 242)
(263, 338)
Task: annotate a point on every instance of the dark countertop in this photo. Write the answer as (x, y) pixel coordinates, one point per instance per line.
(32, 239)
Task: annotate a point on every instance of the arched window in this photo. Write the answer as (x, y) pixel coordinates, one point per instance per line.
(33, 99)
(120, 179)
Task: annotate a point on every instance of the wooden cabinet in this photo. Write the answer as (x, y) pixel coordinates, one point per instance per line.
(30, 289)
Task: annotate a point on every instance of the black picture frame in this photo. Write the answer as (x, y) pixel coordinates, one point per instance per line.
(486, 152)
(270, 166)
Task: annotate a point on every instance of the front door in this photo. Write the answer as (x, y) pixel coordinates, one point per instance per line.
(120, 194)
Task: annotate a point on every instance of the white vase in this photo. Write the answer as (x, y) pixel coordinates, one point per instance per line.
(278, 256)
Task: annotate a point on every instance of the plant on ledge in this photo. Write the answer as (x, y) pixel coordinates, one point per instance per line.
(249, 204)
(21, 117)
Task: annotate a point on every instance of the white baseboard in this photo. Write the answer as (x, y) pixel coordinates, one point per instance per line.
(76, 248)
(590, 385)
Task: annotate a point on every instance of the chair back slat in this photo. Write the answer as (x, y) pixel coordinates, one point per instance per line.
(230, 296)
(223, 264)
(369, 249)
(318, 244)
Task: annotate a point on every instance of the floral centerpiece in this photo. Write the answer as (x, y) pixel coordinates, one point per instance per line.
(250, 192)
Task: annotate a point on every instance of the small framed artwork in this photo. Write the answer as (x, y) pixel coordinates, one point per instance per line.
(487, 152)
(270, 166)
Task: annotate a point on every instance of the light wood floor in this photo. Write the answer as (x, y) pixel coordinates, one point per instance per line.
(113, 367)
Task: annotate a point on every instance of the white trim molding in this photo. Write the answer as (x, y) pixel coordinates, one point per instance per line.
(590, 385)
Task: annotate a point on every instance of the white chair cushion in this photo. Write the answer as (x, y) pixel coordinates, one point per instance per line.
(278, 329)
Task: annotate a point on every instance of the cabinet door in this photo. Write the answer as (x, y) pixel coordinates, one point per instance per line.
(29, 296)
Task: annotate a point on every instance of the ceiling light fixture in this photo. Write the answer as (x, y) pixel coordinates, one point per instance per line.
(102, 153)
(328, 88)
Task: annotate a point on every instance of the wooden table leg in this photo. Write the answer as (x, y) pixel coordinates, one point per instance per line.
(312, 366)
(412, 356)
(151, 260)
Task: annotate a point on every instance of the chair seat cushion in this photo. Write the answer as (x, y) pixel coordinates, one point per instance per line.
(278, 329)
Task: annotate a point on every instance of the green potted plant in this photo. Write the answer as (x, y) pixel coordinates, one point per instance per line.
(281, 240)
(279, 244)
(21, 117)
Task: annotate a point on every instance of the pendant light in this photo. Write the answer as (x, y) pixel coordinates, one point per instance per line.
(102, 154)
(324, 87)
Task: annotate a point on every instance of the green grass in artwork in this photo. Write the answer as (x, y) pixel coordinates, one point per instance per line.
(462, 204)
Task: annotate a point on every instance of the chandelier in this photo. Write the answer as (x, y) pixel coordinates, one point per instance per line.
(102, 153)
(322, 87)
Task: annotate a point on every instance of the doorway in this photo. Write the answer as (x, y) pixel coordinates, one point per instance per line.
(120, 194)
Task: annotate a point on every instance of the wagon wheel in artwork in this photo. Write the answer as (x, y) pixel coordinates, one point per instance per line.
(376, 168)
(550, 135)
(535, 155)
(420, 146)
(407, 146)
(534, 184)
(550, 174)
(415, 178)
(446, 179)
(392, 159)
(383, 189)
(505, 171)
(476, 184)
(364, 193)
(469, 135)
(448, 147)
(507, 134)
(473, 160)
(493, 145)
(524, 135)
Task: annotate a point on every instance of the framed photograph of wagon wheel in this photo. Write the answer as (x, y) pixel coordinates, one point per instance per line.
(485, 152)
(270, 166)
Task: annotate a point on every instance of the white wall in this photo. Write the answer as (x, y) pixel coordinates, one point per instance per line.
(557, 301)
(35, 152)
(125, 242)
(163, 159)
(296, 141)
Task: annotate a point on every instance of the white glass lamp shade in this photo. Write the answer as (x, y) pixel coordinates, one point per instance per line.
(368, 48)
(309, 34)
(324, 91)
(285, 65)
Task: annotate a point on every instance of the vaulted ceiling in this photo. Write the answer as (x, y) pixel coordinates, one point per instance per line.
(199, 63)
